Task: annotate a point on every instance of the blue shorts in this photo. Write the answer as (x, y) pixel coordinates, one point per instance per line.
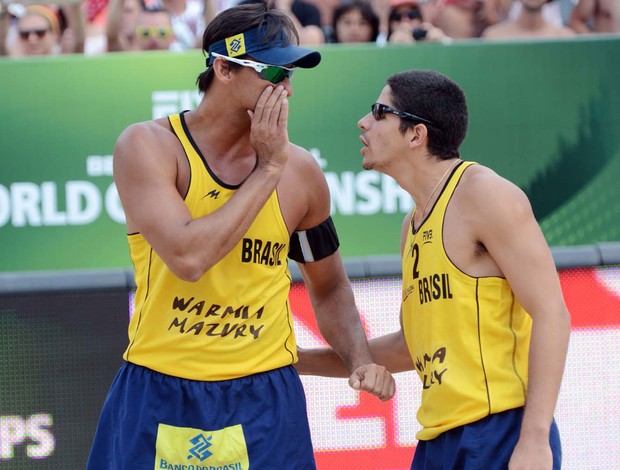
(154, 421)
(486, 444)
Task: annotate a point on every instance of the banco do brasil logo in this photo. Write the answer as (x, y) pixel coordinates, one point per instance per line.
(200, 447)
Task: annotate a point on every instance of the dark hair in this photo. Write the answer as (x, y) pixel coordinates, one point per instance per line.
(240, 19)
(63, 21)
(367, 12)
(393, 13)
(437, 98)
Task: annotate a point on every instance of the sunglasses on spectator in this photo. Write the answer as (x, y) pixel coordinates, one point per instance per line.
(378, 111)
(271, 73)
(411, 14)
(155, 32)
(24, 34)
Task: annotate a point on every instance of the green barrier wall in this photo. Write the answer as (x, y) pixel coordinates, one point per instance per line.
(544, 115)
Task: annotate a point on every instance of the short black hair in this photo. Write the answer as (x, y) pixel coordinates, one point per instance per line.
(435, 97)
(242, 18)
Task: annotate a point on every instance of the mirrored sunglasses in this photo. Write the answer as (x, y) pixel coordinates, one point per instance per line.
(378, 111)
(24, 34)
(271, 73)
(155, 32)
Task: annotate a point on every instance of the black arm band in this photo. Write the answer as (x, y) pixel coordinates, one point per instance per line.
(315, 243)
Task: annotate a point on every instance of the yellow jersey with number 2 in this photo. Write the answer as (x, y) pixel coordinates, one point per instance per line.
(468, 336)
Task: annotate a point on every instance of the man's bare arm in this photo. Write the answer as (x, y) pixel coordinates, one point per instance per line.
(510, 233)
(389, 351)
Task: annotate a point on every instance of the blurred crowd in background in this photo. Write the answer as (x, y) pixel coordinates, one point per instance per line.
(98, 26)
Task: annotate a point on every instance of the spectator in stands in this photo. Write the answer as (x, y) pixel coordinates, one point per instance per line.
(39, 31)
(72, 26)
(189, 18)
(497, 10)
(153, 31)
(462, 19)
(382, 8)
(529, 24)
(354, 21)
(555, 11)
(326, 10)
(6, 19)
(305, 16)
(121, 23)
(95, 13)
(596, 16)
(408, 24)
(551, 12)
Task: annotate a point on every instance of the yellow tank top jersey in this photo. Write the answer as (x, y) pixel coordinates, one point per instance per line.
(234, 321)
(468, 337)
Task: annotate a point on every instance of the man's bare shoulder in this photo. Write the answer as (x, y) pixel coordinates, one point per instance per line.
(482, 191)
(145, 131)
(301, 162)
(146, 141)
(480, 180)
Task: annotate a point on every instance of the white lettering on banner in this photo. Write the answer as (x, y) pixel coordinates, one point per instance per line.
(28, 204)
(5, 206)
(97, 165)
(49, 205)
(33, 431)
(25, 199)
(83, 202)
(173, 101)
(363, 193)
(395, 198)
(113, 205)
(40, 205)
(366, 193)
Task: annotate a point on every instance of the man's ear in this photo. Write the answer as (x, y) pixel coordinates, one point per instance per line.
(417, 135)
(221, 69)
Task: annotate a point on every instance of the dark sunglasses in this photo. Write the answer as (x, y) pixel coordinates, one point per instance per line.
(25, 33)
(378, 111)
(271, 73)
(411, 14)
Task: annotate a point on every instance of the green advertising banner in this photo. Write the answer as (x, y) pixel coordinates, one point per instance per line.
(544, 115)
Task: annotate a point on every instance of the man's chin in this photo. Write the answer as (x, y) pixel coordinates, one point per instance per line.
(367, 165)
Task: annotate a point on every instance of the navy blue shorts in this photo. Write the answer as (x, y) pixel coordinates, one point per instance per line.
(154, 421)
(486, 444)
